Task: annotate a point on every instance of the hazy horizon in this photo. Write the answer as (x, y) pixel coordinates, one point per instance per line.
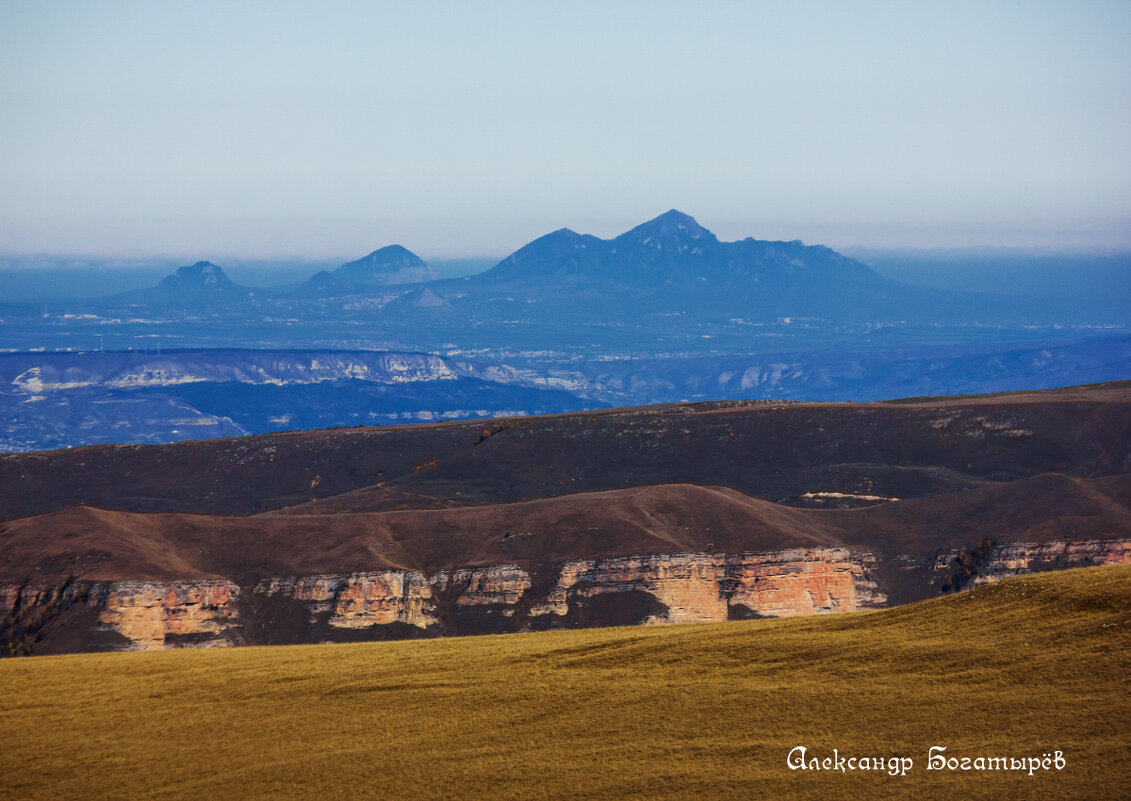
(288, 131)
(1098, 274)
(124, 258)
(335, 256)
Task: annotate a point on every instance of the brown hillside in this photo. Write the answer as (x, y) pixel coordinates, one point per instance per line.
(771, 451)
(97, 544)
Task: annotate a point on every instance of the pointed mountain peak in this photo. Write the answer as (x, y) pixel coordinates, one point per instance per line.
(677, 218)
(672, 225)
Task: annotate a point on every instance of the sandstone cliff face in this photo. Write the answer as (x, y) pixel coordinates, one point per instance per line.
(156, 614)
(484, 586)
(687, 585)
(989, 562)
(359, 600)
(700, 587)
(805, 581)
(649, 589)
(137, 615)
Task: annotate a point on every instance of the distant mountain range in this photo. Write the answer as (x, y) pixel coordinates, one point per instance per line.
(671, 265)
(206, 283)
(663, 312)
(668, 266)
(670, 253)
(675, 249)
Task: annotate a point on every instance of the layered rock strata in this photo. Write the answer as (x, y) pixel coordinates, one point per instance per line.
(645, 589)
(698, 587)
(359, 600)
(152, 614)
(987, 562)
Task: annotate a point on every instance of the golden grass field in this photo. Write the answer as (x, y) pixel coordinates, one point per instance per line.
(701, 712)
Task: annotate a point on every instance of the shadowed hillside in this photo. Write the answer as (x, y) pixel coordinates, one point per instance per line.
(101, 545)
(769, 450)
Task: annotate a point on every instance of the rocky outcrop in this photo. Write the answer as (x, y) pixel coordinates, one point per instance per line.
(804, 581)
(685, 588)
(359, 600)
(484, 586)
(123, 615)
(987, 561)
(698, 587)
(647, 589)
(154, 614)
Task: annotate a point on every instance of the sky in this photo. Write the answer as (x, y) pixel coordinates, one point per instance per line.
(270, 130)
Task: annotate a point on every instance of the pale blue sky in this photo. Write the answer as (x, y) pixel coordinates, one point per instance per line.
(330, 129)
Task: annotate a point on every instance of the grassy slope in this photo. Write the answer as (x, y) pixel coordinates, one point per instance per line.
(707, 712)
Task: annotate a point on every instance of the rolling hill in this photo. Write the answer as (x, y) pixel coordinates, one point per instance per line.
(776, 451)
(1029, 666)
(693, 512)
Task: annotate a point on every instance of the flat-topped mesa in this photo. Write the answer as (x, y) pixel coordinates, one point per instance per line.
(647, 589)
